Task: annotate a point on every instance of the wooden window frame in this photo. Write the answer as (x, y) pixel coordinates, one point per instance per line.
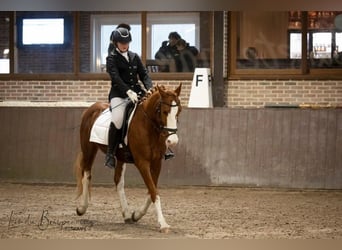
(304, 72)
(76, 74)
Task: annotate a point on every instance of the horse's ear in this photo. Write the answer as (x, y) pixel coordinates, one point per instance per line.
(160, 89)
(178, 89)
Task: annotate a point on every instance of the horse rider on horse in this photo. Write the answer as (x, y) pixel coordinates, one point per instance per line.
(125, 69)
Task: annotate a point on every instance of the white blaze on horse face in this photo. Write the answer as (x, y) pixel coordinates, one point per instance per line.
(171, 122)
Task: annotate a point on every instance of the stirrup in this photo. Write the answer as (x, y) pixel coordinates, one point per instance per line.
(110, 161)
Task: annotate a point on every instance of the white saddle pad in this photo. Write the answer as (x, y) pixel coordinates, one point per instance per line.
(99, 131)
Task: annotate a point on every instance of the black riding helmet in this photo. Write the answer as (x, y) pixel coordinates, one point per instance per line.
(121, 34)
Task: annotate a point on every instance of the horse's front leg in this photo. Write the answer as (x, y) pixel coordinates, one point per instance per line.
(119, 179)
(164, 227)
(150, 176)
(137, 215)
(155, 172)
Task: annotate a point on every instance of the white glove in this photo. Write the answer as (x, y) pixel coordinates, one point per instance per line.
(132, 95)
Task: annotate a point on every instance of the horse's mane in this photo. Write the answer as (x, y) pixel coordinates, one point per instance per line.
(151, 92)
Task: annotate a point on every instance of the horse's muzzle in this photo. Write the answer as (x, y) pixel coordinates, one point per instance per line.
(171, 140)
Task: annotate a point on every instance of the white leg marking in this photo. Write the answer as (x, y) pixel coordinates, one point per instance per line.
(85, 194)
(161, 220)
(120, 188)
(143, 209)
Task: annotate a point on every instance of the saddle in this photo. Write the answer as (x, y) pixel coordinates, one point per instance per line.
(100, 129)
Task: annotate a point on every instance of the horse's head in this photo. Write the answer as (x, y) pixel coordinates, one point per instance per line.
(169, 109)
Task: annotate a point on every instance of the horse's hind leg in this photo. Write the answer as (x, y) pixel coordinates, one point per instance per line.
(83, 169)
(137, 215)
(83, 205)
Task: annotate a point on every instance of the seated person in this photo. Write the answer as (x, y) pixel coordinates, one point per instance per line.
(251, 53)
(186, 59)
(167, 52)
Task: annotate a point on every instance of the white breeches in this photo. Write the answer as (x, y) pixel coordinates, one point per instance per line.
(118, 110)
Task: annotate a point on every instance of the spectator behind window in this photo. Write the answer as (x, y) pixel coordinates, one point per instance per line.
(186, 59)
(251, 53)
(167, 52)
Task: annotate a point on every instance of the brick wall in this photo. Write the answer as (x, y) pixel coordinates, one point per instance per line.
(45, 60)
(69, 91)
(238, 94)
(253, 93)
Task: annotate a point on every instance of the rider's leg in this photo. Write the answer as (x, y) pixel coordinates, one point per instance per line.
(114, 135)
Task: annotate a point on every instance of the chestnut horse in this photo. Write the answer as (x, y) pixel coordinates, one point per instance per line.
(152, 129)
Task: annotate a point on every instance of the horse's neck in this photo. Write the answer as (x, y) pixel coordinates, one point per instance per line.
(150, 105)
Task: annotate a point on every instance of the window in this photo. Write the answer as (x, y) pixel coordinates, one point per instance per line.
(4, 43)
(338, 47)
(264, 41)
(44, 42)
(39, 29)
(42, 31)
(337, 53)
(324, 41)
(295, 45)
(271, 42)
(102, 27)
(159, 26)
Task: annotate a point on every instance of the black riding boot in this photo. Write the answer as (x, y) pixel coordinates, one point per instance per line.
(113, 141)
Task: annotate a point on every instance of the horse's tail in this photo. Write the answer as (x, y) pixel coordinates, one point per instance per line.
(78, 173)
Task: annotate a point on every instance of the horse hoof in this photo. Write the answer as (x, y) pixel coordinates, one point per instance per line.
(133, 219)
(129, 221)
(80, 211)
(165, 230)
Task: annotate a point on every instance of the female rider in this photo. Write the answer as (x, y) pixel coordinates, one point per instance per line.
(125, 69)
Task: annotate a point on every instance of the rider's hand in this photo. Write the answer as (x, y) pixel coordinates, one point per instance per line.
(132, 95)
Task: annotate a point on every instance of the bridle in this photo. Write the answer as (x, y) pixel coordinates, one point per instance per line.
(170, 131)
(160, 127)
